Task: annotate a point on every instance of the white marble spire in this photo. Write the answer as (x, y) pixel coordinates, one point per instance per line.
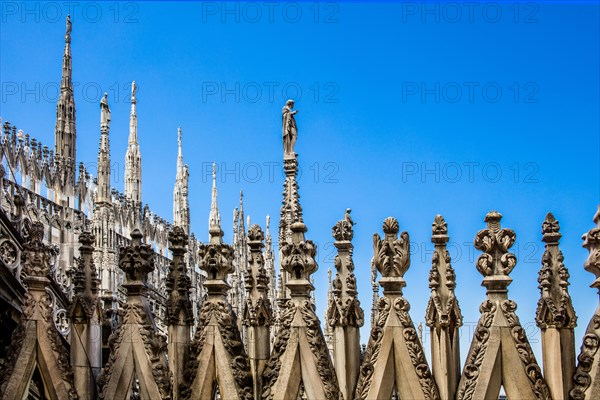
(103, 194)
(133, 156)
(64, 131)
(214, 220)
(181, 206)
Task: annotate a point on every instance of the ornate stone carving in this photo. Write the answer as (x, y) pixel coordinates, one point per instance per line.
(495, 242)
(343, 230)
(591, 241)
(587, 355)
(477, 353)
(178, 283)
(373, 348)
(555, 308)
(442, 309)
(37, 328)
(482, 367)
(257, 311)
(299, 258)
(216, 317)
(344, 314)
(36, 256)
(586, 383)
(519, 337)
(8, 253)
(443, 315)
(392, 255)
(138, 327)
(345, 308)
(216, 260)
(222, 312)
(415, 349)
(273, 367)
(85, 281)
(394, 336)
(318, 348)
(136, 260)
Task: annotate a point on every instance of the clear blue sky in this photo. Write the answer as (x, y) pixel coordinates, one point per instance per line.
(405, 109)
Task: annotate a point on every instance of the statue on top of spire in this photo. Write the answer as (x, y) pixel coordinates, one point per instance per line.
(68, 33)
(134, 91)
(289, 128)
(105, 110)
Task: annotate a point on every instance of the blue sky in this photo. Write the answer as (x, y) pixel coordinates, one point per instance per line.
(405, 109)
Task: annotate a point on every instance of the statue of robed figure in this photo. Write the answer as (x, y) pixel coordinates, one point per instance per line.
(290, 130)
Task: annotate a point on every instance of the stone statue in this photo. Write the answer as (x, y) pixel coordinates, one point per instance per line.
(348, 218)
(105, 110)
(134, 91)
(68, 34)
(290, 130)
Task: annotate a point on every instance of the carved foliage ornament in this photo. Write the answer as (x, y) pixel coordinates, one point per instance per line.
(591, 241)
(154, 344)
(534, 373)
(391, 255)
(8, 253)
(240, 366)
(589, 348)
(479, 347)
(495, 242)
(554, 307)
(287, 310)
(136, 260)
(343, 231)
(178, 283)
(316, 342)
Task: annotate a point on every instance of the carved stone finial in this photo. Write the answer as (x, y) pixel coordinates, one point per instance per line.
(136, 260)
(439, 229)
(591, 241)
(555, 314)
(255, 234)
(550, 229)
(216, 259)
(500, 340)
(496, 261)
(345, 308)
(585, 382)
(391, 255)
(493, 220)
(554, 307)
(442, 310)
(85, 280)
(343, 230)
(298, 256)
(257, 311)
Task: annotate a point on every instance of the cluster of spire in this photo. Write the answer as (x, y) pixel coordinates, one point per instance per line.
(255, 339)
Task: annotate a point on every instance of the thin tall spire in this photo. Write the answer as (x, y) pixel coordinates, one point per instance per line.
(181, 206)
(133, 157)
(179, 150)
(103, 194)
(214, 220)
(64, 131)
